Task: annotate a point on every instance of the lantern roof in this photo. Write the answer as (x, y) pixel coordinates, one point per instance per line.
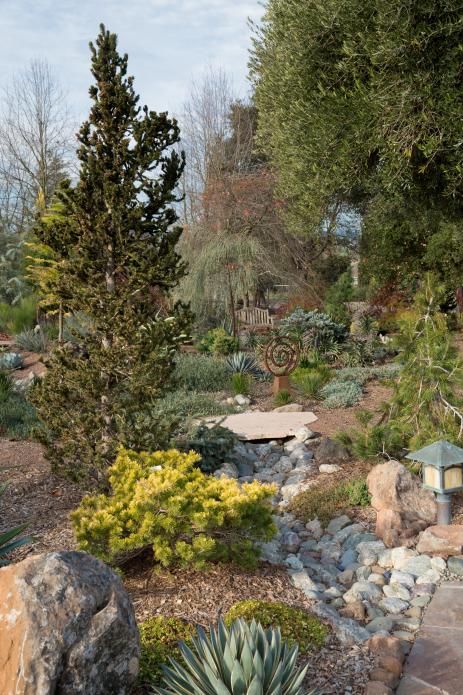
(441, 454)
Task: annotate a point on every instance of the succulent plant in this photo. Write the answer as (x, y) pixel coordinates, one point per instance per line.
(10, 360)
(242, 660)
(9, 540)
(242, 363)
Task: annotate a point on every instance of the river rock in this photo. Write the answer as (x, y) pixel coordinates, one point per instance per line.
(331, 452)
(67, 627)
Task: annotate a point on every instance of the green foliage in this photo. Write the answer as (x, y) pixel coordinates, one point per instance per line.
(214, 445)
(427, 404)
(244, 659)
(373, 440)
(341, 394)
(18, 419)
(310, 381)
(10, 360)
(6, 386)
(241, 384)
(18, 317)
(32, 340)
(219, 342)
(376, 128)
(316, 330)
(328, 500)
(165, 501)
(114, 241)
(159, 638)
(283, 397)
(337, 296)
(360, 352)
(296, 626)
(201, 372)
(9, 540)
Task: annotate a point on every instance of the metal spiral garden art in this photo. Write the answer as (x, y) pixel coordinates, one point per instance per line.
(281, 358)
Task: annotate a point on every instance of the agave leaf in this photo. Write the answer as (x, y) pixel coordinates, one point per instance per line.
(238, 680)
(8, 535)
(195, 665)
(258, 666)
(295, 681)
(247, 660)
(255, 687)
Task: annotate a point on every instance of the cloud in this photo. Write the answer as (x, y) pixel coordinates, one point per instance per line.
(168, 42)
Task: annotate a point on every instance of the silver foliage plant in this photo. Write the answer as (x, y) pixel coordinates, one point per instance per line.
(244, 659)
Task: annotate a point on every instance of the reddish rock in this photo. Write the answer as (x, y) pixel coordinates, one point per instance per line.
(67, 627)
(377, 688)
(386, 677)
(403, 507)
(393, 487)
(442, 540)
(381, 645)
(391, 664)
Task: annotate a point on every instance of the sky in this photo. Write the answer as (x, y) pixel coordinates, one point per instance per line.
(169, 42)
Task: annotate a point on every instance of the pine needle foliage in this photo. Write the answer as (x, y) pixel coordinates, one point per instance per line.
(114, 241)
(427, 403)
(164, 501)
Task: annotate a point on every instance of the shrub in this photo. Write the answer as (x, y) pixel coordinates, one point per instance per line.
(240, 660)
(15, 318)
(315, 329)
(201, 373)
(341, 394)
(241, 383)
(310, 381)
(373, 440)
(10, 360)
(361, 352)
(219, 342)
(328, 500)
(159, 637)
(163, 500)
(296, 626)
(337, 296)
(32, 340)
(214, 445)
(283, 397)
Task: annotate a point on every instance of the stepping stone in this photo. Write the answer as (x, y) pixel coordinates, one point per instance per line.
(434, 665)
(253, 425)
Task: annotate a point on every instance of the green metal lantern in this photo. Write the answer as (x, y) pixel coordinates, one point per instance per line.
(442, 472)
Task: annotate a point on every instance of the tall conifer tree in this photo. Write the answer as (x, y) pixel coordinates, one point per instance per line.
(115, 241)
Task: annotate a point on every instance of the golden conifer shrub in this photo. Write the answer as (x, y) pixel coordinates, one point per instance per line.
(164, 500)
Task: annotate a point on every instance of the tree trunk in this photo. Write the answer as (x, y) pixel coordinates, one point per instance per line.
(60, 323)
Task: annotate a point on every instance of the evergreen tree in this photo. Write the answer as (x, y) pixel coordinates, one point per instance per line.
(114, 241)
(359, 107)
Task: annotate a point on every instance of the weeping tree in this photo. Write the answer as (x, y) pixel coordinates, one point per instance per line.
(227, 269)
(114, 240)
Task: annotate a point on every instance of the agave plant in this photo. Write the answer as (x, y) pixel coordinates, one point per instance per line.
(242, 660)
(10, 360)
(9, 540)
(242, 363)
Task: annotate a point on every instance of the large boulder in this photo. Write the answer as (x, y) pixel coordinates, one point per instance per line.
(67, 627)
(404, 508)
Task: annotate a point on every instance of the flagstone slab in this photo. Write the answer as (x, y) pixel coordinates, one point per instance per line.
(434, 665)
(256, 425)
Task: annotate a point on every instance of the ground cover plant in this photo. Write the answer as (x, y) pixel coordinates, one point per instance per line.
(241, 660)
(296, 625)
(327, 500)
(164, 501)
(341, 394)
(159, 638)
